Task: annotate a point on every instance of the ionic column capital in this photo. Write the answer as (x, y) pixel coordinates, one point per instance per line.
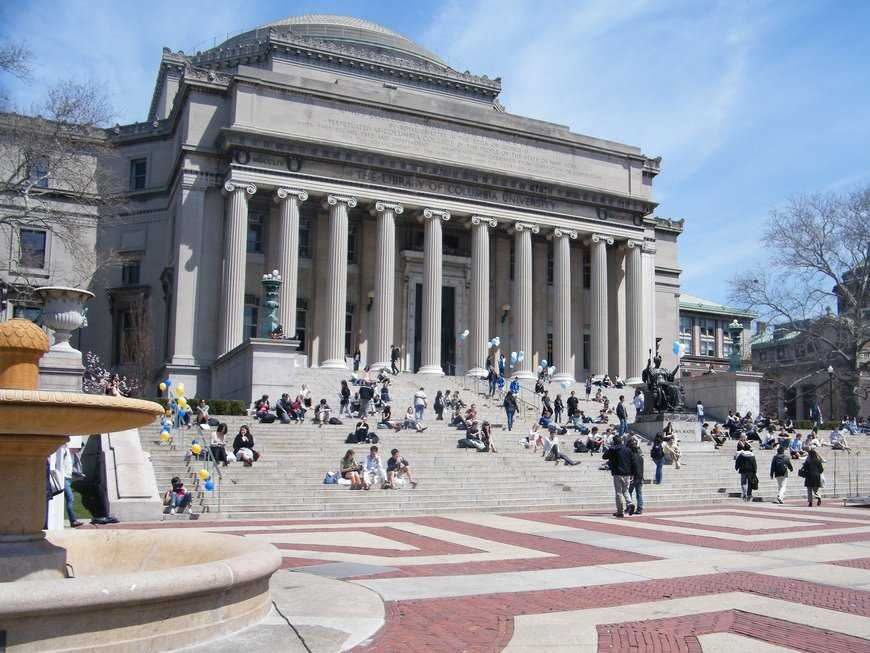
(439, 214)
(231, 186)
(380, 207)
(558, 232)
(597, 238)
(631, 243)
(334, 200)
(519, 227)
(648, 247)
(484, 220)
(294, 193)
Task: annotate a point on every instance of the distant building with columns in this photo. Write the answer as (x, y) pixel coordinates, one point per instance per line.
(401, 204)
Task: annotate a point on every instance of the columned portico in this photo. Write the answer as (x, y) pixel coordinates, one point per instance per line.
(562, 358)
(336, 296)
(598, 303)
(385, 282)
(522, 297)
(430, 362)
(287, 254)
(634, 310)
(477, 348)
(235, 261)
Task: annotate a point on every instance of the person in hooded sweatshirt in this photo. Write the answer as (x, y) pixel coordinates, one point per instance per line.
(780, 466)
(746, 465)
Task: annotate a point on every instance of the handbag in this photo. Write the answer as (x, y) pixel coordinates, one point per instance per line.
(56, 482)
(802, 472)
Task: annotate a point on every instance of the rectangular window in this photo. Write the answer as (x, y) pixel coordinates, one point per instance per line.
(727, 342)
(550, 265)
(252, 315)
(130, 273)
(38, 171)
(587, 271)
(708, 337)
(352, 233)
(686, 334)
(550, 348)
(255, 233)
(31, 243)
(348, 329)
(25, 312)
(304, 238)
(138, 173)
(301, 321)
(587, 349)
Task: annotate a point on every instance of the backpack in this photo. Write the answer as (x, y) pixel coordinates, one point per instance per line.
(779, 467)
(366, 392)
(351, 439)
(334, 421)
(373, 438)
(657, 453)
(268, 418)
(580, 447)
(330, 478)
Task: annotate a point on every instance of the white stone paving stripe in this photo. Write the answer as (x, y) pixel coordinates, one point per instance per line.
(731, 642)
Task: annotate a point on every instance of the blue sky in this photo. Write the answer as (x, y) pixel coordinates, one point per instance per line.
(748, 103)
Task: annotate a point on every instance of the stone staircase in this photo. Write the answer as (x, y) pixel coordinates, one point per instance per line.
(288, 481)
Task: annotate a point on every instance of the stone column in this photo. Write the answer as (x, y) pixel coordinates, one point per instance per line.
(332, 355)
(649, 279)
(562, 358)
(385, 283)
(430, 342)
(522, 302)
(479, 312)
(235, 260)
(287, 254)
(598, 344)
(634, 340)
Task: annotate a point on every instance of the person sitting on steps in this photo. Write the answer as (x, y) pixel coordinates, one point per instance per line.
(177, 497)
(243, 446)
(351, 470)
(397, 467)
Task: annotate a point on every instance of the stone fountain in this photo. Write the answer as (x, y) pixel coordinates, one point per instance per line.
(110, 589)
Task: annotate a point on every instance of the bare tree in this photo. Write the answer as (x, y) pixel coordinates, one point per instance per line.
(815, 280)
(14, 60)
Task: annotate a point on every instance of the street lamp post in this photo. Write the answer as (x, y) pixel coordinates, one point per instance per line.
(830, 392)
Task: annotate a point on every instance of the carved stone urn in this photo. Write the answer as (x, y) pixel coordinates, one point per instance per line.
(63, 312)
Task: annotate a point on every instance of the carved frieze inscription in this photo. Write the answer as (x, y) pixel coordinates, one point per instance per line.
(356, 126)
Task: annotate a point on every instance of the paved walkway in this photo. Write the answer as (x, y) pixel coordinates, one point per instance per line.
(738, 577)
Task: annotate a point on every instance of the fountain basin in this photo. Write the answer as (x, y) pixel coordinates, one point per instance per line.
(140, 590)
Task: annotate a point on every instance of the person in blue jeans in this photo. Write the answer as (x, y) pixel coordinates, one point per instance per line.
(67, 463)
(622, 415)
(636, 485)
(510, 409)
(657, 453)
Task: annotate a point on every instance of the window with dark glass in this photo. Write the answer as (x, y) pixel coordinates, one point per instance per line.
(255, 233)
(304, 238)
(130, 273)
(252, 315)
(352, 238)
(32, 247)
(587, 349)
(138, 173)
(550, 348)
(348, 329)
(301, 321)
(707, 328)
(550, 265)
(686, 334)
(38, 171)
(587, 272)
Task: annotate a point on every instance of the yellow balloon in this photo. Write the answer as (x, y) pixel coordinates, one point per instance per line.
(180, 388)
(196, 450)
(164, 437)
(182, 402)
(162, 387)
(203, 475)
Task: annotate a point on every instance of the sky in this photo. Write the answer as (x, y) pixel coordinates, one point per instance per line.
(747, 103)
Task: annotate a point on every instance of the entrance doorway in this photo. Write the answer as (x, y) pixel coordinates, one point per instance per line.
(448, 328)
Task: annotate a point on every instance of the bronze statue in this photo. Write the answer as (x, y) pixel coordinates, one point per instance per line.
(663, 393)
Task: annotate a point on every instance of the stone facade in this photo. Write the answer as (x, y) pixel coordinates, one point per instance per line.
(399, 200)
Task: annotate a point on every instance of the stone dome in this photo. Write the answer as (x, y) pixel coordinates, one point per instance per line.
(22, 335)
(344, 29)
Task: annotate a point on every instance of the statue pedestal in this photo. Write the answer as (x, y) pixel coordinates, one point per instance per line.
(724, 391)
(257, 367)
(686, 426)
(61, 370)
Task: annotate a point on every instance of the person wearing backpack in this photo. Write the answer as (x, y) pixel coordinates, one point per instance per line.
(657, 454)
(747, 466)
(780, 466)
(510, 409)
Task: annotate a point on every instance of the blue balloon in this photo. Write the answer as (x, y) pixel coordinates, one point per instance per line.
(209, 485)
(168, 382)
(676, 347)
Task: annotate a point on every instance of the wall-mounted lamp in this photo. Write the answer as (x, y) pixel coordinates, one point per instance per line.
(506, 308)
(371, 301)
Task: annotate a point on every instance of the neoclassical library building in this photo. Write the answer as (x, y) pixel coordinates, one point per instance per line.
(399, 201)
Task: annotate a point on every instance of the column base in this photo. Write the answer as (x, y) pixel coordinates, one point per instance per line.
(380, 365)
(334, 364)
(523, 374)
(431, 369)
(634, 381)
(477, 371)
(558, 377)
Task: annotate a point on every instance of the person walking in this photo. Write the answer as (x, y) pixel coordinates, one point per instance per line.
(622, 415)
(657, 454)
(492, 378)
(812, 471)
(510, 409)
(588, 387)
(344, 401)
(558, 407)
(419, 404)
(699, 410)
(438, 405)
(357, 357)
(618, 458)
(780, 466)
(501, 365)
(639, 402)
(636, 486)
(394, 359)
(515, 386)
(747, 466)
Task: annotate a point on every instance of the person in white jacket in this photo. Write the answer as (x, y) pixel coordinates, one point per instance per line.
(373, 468)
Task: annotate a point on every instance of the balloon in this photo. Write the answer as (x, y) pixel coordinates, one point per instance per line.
(203, 475)
(182, 402)
(564, 385)
(162, 387)
(540, 369)
(544, 363)
(521, 356)
(496, 341)
(513, 357)
(209, 485)
(552, 370)
(465, 333)
(164, 436)
(168, 382)
(676, 347)
(181, 388)
(196, 449)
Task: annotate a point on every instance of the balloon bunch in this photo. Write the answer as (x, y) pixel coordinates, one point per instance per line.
(679, 348)
(493, 343)
(464, 334)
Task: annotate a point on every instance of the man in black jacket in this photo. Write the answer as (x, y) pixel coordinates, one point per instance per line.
(618, 458)
(636, 477)
(780, 466)
(395, 354)
(622, 415)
